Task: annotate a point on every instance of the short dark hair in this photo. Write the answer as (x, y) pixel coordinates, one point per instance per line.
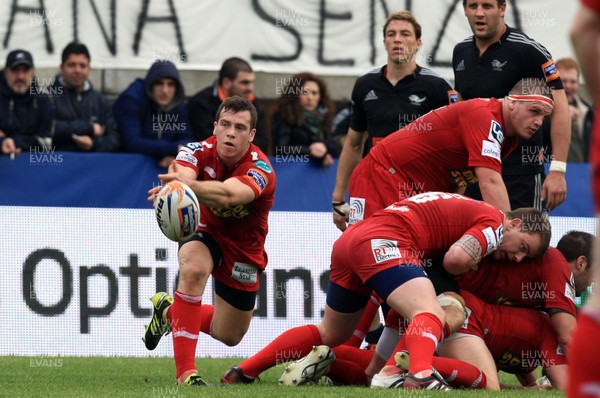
(576, 243)
(75, 48)
(534, 222)
(237, 104)
(231, 67)
(500, 3)
(404, 16)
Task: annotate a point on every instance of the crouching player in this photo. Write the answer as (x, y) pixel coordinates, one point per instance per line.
(549, 282)
(514, 340)
(378, 255)
(234, 184)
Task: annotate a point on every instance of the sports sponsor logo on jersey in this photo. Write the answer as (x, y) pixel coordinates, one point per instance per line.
(491, 240)
(430, 196)
(258, 178)
(461, 66)
(187, 157)
(463, 177)
(497, 65)
(500, 234)
(261, 164)
(192, 147)
(452, 96)
(385, 249)
(490, 149)
(496, 135)
(357, 210)
(244, 273)
(239, 211)
(371, 96)
(395, 207)
(550, 70)
(210, 171)
(570, 291)
(416, 100)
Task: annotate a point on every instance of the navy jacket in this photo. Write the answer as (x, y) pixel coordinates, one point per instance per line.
(74, 113)
(25, 118)
(143, 125)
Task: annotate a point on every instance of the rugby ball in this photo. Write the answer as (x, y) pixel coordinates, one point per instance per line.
(177, 211)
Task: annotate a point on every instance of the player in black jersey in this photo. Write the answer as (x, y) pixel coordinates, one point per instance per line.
(387, 98)
(488, 64)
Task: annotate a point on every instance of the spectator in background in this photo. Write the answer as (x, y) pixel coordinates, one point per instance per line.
(83, 119)
(303, 118)
(581, 113)
(152, 116)
(235, 78)
(25, 112)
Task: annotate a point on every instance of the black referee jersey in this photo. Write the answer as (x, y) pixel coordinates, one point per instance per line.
(514, 57)
(380, 108)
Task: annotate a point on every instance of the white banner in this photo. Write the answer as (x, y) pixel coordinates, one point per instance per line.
(332, 37)
(77, 281)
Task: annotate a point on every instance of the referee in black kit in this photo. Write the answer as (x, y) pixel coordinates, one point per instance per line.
(386, 99)
(489, 64)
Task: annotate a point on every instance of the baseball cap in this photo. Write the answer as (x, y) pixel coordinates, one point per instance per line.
(19, 57)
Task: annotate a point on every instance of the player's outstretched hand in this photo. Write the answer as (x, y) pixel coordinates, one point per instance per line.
(153, 192)
(164, 179)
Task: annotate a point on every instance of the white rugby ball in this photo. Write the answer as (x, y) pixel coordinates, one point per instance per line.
(177, 211)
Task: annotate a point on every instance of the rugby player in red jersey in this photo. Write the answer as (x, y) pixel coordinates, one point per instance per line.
(234, 183)
(380, 254)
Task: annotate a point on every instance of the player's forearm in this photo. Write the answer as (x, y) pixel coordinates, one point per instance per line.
(560, 127)
(493, 191)
(563, 324)
(349, 159)
(209, 193)
(527, 380)
(557, 374)
(220, 194)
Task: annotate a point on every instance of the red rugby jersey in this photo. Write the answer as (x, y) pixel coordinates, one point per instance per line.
(434, 221)
(545, 282)
(439, 150)
(244, 225)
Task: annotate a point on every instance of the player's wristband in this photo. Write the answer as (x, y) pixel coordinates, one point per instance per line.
(557, 165)
(335, 205)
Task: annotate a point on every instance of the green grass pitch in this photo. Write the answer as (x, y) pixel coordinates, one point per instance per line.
(154, 378)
